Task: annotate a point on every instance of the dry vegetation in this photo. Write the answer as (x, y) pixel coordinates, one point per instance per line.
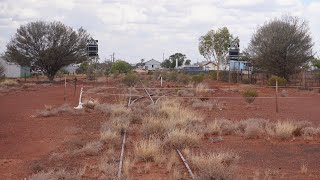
(162, 128)
(221, 165)
(54, 111)
(260, 128)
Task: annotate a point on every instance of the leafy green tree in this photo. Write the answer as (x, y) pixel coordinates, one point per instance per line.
(82, 68)
(281, 46)
(188, 62)
(316, 63)
(171, 62)
(47, 46)
(214, 45)
(121, 66)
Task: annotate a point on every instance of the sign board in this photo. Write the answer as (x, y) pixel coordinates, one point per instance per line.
(92, 48)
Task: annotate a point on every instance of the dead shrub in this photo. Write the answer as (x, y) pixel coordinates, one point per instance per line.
(54, 111)
(181, 138)
(148, 150)
(310, 132)
(222, 165)
(222, 127)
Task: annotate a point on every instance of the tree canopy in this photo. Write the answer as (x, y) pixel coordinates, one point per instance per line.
(171, 62)
(281, 46)
(47, 46)
(121, 66)
(213, 46)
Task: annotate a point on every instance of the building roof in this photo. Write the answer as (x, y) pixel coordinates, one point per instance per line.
(152, 60)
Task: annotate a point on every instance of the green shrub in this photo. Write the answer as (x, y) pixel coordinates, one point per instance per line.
(121, 67)
(273, 79)
(213, 75)
(1, 70)
(250, 95)
(197, 78)
(130, 79)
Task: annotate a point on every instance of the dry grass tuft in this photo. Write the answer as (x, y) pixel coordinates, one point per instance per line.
(99, 89)
(303, 169)
(59, 174)
(181, 138)
(221, 165)
(185, 93)
(91, 148)
(108, 167)
(202, 88)
(148, 150)
(54, 111)
(113, 109)
(9, 82)
(109, 136)
(259, 128)
(284, 129)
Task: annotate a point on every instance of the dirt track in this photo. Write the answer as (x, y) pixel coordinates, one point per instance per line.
(24, 139)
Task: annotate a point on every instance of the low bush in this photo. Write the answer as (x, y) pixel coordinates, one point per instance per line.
(250, 95)
(273, 79)
(130, 79)
(196, 79)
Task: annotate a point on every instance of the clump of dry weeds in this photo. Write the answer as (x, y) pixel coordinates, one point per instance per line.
(148, 150)
(221, 165)
(54, 111)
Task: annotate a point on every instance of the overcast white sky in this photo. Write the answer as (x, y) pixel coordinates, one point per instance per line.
(136, 29)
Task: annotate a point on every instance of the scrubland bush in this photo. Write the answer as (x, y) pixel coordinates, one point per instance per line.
(273, 79)
(91, 148)
(130, 79)
(196, 79)
(249, 95)
(222, 165)
(185, 93)
(1, 70)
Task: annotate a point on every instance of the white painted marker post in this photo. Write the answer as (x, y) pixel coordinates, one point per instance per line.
(80, 103)
(161, 80)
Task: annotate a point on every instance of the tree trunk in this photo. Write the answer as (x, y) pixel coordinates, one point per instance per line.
(218, 71)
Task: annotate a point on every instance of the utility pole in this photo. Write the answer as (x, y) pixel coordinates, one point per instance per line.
(162, 57)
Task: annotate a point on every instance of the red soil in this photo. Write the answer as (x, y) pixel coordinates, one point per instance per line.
(25, 140)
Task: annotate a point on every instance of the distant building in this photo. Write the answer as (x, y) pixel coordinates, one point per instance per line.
(14, 70)
(71, 68)
(152, 65)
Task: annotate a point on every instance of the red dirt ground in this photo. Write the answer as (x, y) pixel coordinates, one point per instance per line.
(25, 140)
